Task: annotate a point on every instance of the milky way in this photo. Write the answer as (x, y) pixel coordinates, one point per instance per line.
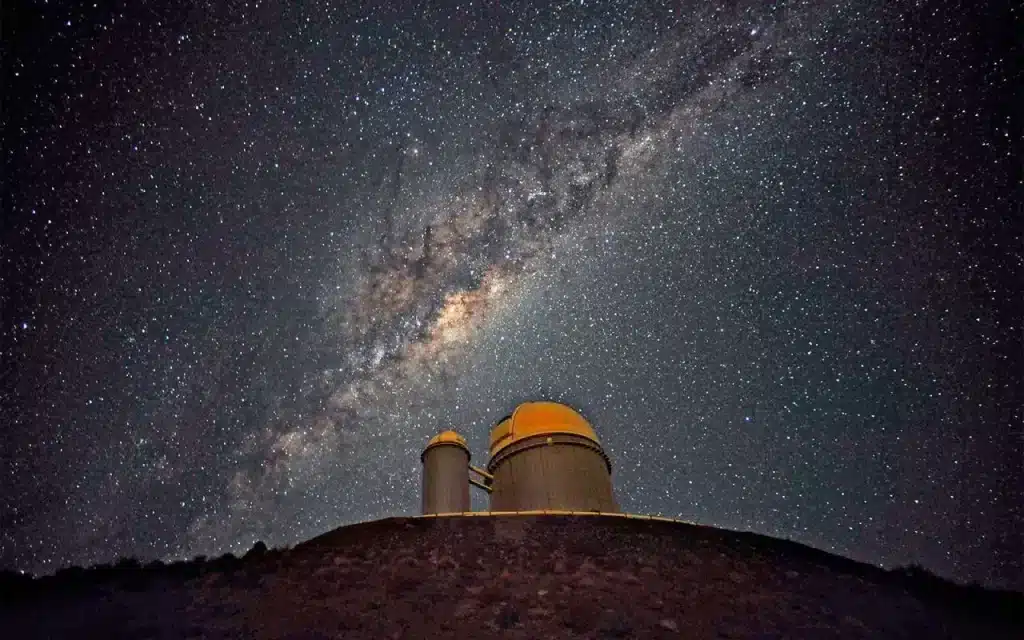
(256, 255)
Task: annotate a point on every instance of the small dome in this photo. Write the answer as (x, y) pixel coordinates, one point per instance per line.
(447, 437)
(539, 418)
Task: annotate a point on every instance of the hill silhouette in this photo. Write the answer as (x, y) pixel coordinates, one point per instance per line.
(515, 576)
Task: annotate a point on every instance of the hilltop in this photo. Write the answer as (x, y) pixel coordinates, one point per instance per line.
(518, 576)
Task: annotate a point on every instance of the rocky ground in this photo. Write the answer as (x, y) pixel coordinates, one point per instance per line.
(511, 577)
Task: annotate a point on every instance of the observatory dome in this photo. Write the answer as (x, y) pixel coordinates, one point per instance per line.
(447, 438)
(539, 418)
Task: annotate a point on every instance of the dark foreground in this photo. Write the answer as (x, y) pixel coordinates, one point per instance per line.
(510, 577)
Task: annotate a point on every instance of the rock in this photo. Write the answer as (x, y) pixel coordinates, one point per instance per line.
(629, 578)
(465, 609)
(669, 624)
(258, 549)
(588, 566)
(616, 626)
(585, 582)
(446, 562)
(850, 621)
(508, 617)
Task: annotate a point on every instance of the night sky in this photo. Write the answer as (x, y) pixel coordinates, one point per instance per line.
(255, 254)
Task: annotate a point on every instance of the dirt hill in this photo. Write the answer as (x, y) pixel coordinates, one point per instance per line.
(544, 576)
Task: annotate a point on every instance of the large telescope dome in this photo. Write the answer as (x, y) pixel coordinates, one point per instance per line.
(539, 418)
(546, 456)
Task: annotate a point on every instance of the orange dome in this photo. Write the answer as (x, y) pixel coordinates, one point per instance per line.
(447, 437)
(539, 418)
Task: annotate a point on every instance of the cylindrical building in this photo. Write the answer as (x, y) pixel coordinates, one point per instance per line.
(446, 474)
(547, 456)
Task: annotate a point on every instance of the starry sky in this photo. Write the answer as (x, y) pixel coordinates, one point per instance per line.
(255, 254)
